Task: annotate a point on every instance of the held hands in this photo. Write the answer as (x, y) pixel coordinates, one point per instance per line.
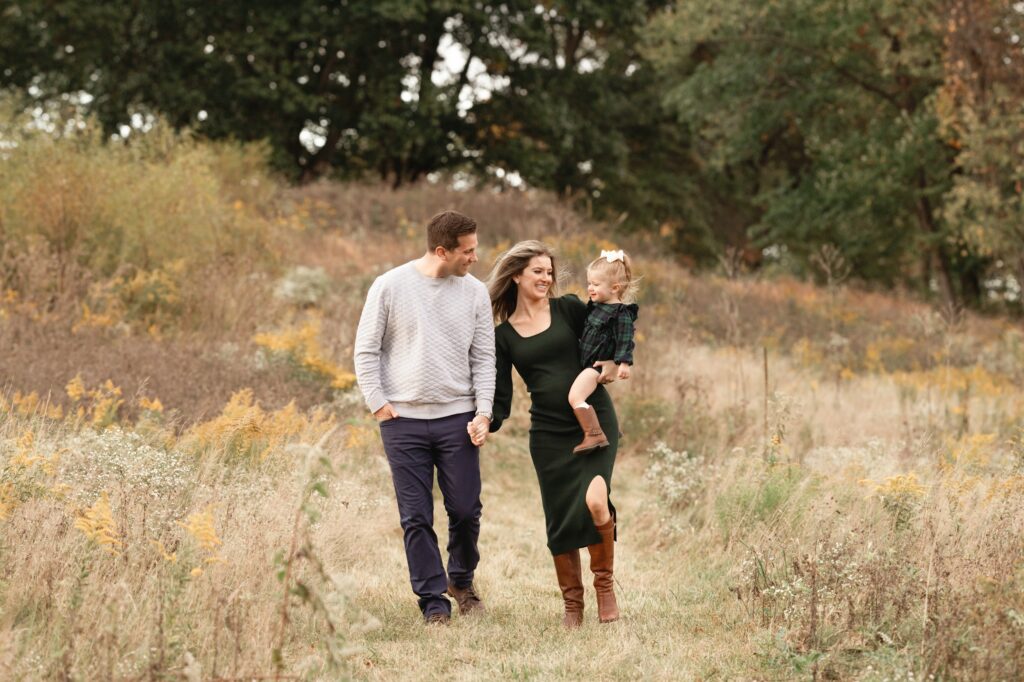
(385, 413)
(624, 371)
(478, 429)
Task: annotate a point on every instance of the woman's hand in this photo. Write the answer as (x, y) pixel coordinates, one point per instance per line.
(624, 371)
(608, 371)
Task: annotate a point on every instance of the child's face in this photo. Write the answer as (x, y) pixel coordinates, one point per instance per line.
(600, 287)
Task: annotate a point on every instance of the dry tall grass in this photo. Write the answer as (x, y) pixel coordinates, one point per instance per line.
(168, 511)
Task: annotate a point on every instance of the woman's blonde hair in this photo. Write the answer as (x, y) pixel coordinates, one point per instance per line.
(619, 272)
(502, 289)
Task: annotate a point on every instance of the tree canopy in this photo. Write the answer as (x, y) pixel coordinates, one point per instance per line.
(889, 131)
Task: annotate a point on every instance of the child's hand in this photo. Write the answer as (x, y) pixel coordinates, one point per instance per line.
(607, 369)
(624, 371)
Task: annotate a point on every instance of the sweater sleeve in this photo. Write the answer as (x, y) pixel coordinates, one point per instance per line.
(481, 352)
(369, 341)
(503, 385)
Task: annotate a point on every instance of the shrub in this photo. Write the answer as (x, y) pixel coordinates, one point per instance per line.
(751, 501)
(303, 286)
(158, 199)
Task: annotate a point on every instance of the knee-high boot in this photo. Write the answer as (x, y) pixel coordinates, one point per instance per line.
(593, 434)
(602, 563)
(570, 579)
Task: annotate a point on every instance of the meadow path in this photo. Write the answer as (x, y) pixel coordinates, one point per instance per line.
(679, 620)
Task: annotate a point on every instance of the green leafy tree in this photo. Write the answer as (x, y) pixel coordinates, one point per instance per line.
(981, 113)
(578, 112)
(343, 85)
(555, 91)
(825, 111)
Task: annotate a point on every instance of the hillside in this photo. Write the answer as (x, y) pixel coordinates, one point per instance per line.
(814, 482)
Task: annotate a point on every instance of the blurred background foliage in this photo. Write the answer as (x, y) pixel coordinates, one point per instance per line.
(888, 131)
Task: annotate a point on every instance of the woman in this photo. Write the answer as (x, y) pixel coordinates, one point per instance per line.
(539, 335)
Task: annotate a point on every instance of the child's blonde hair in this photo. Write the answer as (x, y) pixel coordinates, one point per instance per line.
(619, 272)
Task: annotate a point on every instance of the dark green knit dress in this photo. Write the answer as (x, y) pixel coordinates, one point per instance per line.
(549, 362)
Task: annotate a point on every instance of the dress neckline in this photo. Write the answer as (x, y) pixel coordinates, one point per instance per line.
(551, 321)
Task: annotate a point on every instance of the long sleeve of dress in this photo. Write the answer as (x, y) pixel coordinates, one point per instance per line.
(503, 385)
(575, 312)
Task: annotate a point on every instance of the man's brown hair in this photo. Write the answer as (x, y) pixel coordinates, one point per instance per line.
(446, 227)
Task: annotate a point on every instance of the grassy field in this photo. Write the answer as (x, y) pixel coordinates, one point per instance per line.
(816, 482)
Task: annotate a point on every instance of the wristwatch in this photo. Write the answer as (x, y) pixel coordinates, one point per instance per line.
(481, 413)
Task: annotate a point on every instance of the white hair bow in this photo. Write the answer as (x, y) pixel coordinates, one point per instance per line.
(613, 256)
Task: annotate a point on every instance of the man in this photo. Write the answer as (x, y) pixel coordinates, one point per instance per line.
(424, 360)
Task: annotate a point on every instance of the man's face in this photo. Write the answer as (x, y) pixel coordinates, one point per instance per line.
(463, 256)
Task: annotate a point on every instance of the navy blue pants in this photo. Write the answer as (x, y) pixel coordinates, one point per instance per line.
(414, 448)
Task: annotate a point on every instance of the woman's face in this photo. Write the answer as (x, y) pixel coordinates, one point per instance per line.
(536, 278)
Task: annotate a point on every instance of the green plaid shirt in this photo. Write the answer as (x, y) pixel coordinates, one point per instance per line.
(608, 333)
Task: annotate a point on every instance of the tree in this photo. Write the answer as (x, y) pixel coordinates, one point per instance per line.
(341, 85)
(827, 108)
(578, 112)
(981, 113)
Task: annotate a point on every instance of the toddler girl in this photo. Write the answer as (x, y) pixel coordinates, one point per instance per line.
(607, 335)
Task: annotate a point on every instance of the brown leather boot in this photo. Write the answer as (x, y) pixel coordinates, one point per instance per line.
(602, 562)
(570, 579)
(468, 600)
(593, 435)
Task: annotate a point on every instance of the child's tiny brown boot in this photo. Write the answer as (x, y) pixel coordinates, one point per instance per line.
(593, 435)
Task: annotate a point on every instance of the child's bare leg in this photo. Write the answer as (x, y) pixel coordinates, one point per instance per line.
(585, 384)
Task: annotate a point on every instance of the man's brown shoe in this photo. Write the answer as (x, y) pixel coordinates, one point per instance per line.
(437, 619)
(467, 599)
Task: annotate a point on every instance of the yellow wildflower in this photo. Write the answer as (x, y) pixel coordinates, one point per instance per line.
(26, 404)
(8, 500)
(153, 405)
(200, 527)
(302, 346)
(97, 523)
(906, 485)
(244, 428)
(91, 319)
(170, 557)
(75, 388)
